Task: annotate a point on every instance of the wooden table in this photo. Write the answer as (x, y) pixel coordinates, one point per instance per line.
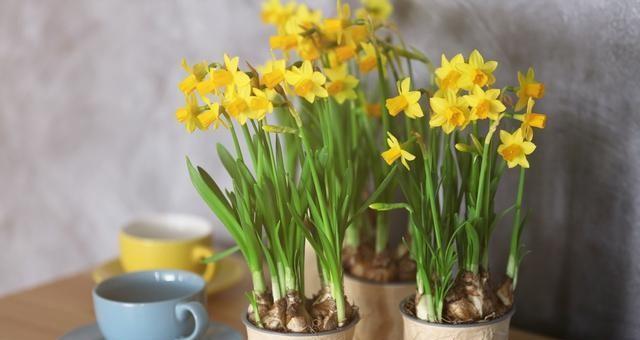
(51, 310)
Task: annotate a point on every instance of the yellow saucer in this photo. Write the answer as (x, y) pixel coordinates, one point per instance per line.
(229, 271)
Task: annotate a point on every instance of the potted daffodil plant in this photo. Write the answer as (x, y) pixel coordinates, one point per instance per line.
(337, 144)
(458, 155)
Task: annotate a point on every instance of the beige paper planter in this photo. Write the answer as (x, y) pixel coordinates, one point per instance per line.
(256, 333)
(416, 329)
(378, 307)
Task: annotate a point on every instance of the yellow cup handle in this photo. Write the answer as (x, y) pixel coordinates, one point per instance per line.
(202, 252)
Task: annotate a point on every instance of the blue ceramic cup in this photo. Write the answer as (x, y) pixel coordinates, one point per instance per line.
(157, 304)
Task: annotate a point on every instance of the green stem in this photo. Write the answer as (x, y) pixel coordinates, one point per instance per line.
(236, 143)
(382, 233)
(352, 235)
(258, 282)
(432, 201)
(338, 295)
(514, 247)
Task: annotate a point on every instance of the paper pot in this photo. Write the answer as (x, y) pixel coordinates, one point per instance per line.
(416, 329)
(256, 333)
(378, 306)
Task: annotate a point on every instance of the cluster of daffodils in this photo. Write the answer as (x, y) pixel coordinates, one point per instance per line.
(326, 48)
(314, 119)
(458, 174)
(463, 96)
(293, 113)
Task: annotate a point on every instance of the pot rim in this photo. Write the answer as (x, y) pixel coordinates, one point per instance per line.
(353, 323)
(376, 283)
(506, 316)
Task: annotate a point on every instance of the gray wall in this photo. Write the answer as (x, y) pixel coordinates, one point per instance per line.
(88, 138)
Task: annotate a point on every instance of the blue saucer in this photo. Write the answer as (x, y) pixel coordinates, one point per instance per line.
(216, 331)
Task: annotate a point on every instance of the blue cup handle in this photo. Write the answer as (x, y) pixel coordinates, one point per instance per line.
(200, 317)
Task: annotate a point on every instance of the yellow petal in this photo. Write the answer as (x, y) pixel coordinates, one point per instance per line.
(306, 68)
(528, 147)
(182, 114)
(405, 85)
(492, 93)
(404, 162)
(392, 141)
(292, 77)
(412, 96)
(407, 155)
(490, 66)
(437, 120)
(438, 104)
(476, 58)
(318, 78)
(414, 111)
(505, 137)
(497, 106)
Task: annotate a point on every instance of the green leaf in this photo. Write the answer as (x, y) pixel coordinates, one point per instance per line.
(390, 206)
(383, 185)
(279, 129)
(221, 255)
(227, 160)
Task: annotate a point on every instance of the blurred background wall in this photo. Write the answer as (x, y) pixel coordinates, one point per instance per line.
(88, 138)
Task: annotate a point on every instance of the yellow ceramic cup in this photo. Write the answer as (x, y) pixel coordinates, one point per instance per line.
(167, 242)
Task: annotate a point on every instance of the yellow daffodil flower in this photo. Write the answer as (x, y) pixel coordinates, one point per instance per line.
(195, 75)
(345, 53)
(477, 72)
(448, 75)
(378, 10)
(357, 34)
(484, 104)
(369, 60)
(406, 101)
(395, 151)
(303, 20)
(236, 103)
(273, 12)
(531, 120)
(342, 84)
(449, 112)
(272, 73)
(193, 116)
(284, 42)
(307, 49)
(306, 82)
(334, 28)
(224, 77)
(211, 116)
(529, 88)
(514, 149)
(259, 105)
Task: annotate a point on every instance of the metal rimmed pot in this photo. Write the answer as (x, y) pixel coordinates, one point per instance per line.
(416, 329)
(257, 333)
(377, 305)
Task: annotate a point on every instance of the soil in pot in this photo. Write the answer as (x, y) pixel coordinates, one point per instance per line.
(297, 314)
(473, 298)
(342, 333)
(416, 329)
(391, 265)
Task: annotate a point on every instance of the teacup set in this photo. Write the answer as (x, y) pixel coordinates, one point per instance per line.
(158, 288)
